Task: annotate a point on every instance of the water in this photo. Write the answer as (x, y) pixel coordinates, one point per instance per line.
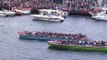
(12, 48)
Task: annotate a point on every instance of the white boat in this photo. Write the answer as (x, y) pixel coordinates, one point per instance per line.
(48, 18)
(24, 12)
(49, 15)
(100, 16)
(7, 13)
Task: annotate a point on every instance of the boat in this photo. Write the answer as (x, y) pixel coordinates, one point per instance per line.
(48, 18)
(45, 36)
(7, 13)
(79, 45)
(50, 15)
(22, 12)
(100, 16)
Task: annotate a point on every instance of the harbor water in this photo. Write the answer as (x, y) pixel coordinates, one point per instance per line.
(12, 48)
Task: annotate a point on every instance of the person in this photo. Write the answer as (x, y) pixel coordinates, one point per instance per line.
(80, 42)
(94, 43)
(85, 43)
(102, 43)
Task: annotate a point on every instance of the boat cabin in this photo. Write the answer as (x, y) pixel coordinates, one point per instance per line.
(49, 12)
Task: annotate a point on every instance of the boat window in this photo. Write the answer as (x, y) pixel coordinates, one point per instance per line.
(53, 13)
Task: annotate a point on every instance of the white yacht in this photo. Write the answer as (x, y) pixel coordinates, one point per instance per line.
(100, 16)
(50, 15)
(7, 13)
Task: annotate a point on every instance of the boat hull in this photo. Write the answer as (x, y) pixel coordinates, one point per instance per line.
(39, 38)
(48, 18)
(99, 18)
(45, 19)
(77, 48)
(7, 13)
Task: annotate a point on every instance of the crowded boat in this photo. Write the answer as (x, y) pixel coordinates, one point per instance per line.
(87, 43)
(79, 45)
(50, 36)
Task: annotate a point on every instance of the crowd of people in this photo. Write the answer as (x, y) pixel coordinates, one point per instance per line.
(82, 6)
(75, 6)
(57, 35)
(26, 4)
(82, 43)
